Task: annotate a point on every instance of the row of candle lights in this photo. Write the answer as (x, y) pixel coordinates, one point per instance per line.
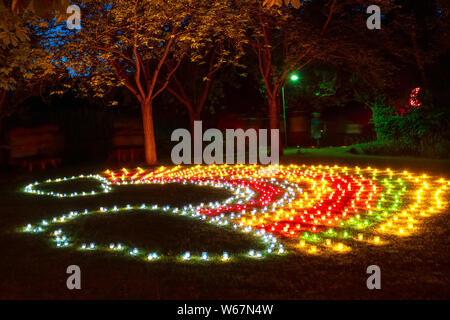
(306, 206)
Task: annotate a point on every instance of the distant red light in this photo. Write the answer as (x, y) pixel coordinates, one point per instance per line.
(413, 98)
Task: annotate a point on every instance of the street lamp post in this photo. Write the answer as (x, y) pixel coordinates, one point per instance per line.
(294, 77)
(284, 117)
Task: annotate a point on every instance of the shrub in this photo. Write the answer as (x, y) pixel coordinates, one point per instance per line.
(415, 131)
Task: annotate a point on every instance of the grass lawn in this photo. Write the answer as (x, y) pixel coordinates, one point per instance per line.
(415, 267)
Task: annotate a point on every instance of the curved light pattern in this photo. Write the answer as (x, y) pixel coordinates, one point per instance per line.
(315, 209)
(105, 184)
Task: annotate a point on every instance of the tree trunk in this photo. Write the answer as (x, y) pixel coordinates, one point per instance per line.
(3, 156)
(2, 102)
(149, 134)
(193, 116)
(274, 114)
(274, 118)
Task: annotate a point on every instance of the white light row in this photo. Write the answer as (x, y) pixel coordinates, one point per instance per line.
(105, 184)
(239, 192)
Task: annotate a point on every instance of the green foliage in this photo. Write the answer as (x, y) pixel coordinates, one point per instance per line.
(420, 130)
(23, 63)
(224, 47)
(140, 44)
(285, 41)
(319, 86)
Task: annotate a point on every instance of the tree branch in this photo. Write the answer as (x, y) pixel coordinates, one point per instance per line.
(180, 98)
(158, 69)
(137, 76)
(2, 98)
(167, 79)
(302, 56)
(179, 86)
(120, 75)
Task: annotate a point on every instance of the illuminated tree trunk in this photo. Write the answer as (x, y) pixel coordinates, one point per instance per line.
(149, 133)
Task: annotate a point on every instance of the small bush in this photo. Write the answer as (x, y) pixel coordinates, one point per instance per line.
(409, 131)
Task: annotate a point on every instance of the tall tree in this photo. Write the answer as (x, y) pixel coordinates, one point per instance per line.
(417, 31)
(283, 42)
(138, 44)
(286, 40)
(225, 47)
(23, 62)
